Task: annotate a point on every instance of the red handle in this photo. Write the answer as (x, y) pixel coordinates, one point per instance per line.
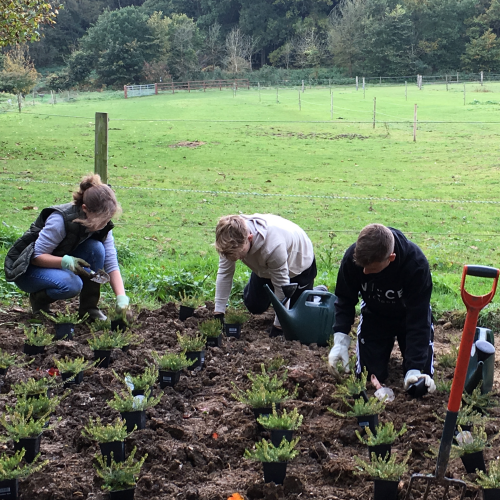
(474, 304)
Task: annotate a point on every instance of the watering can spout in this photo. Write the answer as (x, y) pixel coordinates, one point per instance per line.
(280, 310)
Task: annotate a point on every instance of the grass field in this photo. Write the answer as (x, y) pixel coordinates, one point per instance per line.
(260, 155)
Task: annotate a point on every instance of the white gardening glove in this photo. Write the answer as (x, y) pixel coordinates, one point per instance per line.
(339, 352)
(412, 376)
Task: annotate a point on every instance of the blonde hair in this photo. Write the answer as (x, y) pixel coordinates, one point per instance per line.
(231, 234)
(99, 200)
(375, 244)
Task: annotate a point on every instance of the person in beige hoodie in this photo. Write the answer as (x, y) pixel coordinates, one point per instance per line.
(277, 251)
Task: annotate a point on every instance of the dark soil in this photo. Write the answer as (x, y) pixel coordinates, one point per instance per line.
(196, 436)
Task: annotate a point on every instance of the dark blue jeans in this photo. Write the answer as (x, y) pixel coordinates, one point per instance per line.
(60, 283)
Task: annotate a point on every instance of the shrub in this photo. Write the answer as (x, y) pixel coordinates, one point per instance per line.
(110, 340)
(65, 317)
(270, 383)
(362, 408)
(275, 364)
(124, 401)
(470, 442)
(449, 359)
(286, 421)
(172, 361)
(352, 385)
(193, 301)
(267, 452)
(211, 328)
(385, 434)
(443, 385)
(119, 476)
(10, 468)
(491, 479)
(235, 317)
(468, 416)
(75, 366)
(18, 426)
(96, 430)
(142, 381)
(260, 397)
(379, 468)
(100, 325)
(38, 408)
(7, 360)
(191, 343)
(478, 401)
(38, 336)
(32, 387)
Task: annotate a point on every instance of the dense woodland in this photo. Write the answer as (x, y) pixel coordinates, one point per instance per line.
(113, 42)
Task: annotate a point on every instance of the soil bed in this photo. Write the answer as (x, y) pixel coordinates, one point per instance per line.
(196, 436)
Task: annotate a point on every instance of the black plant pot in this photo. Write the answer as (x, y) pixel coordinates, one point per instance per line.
(370, 421)
(264, 411)
(274, 472)
(65, 330)
(118, 449)
(473, 461)
(232, 330)
(385, 490)
(380, 450)
(491, 494)
(122, 494)
(9, 489)
(198, 356)
(277, 436)
(75, 381)
(31, 445)
(214, 341)
(140, 392)
(118, 324)
(168, 378)
(362, 395)
(32, 350)
(134, 418)
(185, 312)
(104, 355)
(3, 371)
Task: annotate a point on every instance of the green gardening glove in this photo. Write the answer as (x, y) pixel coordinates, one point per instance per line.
(122, 303)
(74, 264)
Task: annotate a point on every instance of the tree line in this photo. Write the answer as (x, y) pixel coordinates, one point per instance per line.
(116, 42)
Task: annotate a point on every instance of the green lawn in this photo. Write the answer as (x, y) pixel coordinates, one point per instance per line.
(331, 177)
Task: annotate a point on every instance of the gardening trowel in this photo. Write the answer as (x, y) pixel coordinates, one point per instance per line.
(100, 276)
(382, 393)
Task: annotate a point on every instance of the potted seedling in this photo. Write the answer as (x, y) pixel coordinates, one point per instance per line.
(212, 330)
(65, 322)
(274, 458)
(119, 478)
(100, 325)
(123, 340)
(37, 339)
(353, 386)
(133, 408)
(102, 345)
(281, 425)
(111, 438)
(477, 401)
(365, 411)
(490, 481)
(119, 320)
(11, 471)
(234, 318)
(141, 383)
(71, 370)
(36, 407)
(386, 474)
(187, 305)
(380, 442)
(25, 431)
(194, 347)
(7, 360)
(170, 366)
(33, 388)
(470, 446)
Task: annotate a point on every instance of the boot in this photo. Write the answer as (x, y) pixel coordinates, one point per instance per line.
(89, 298)
(40, 301)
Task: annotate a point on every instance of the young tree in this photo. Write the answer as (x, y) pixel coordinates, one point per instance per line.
(283, 56)
(213, 46)
(239, 51)
(185, 42)
(18, 74)
(310, 48)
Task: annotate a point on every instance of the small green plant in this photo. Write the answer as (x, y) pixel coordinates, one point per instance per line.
(60, 318)
(172, 361)
(33, 387)
(38, 336)
(385, 434)
(267, 452)
(449, 359)
(270, 383)
(97, 431)
(491, 479)
(191, 343)
(111, 340)
(76, 365)
(275, 364)
(235, 317)
(468, 416)
(286, 421)
(443, 385)
(7, 360)
(211, 328)
(18, 426)
(100, 325)
(260, 397)
(469, 442)
(36, 407)
(10, 468)
(379, 468)
(362, 408)
(119, 476)
(193, 301)
(352, 385)
(478, 401)
(124, 401)
(143, 381)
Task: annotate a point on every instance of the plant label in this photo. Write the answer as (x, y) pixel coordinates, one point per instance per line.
(167, 379)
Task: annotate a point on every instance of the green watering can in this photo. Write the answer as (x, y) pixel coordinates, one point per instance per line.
(482, 362)
(310, 320)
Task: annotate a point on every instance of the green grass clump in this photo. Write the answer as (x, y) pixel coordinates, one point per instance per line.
(191, 343)
(267, 452)
(385, 434)
(282, 421)
(380, 468)
(172, 361)
(97, 431)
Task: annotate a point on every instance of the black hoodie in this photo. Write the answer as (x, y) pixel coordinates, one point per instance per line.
(402, 290)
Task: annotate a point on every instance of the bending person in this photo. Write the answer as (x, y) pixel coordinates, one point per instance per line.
(49, 260)
(393, 278)
(276, 250)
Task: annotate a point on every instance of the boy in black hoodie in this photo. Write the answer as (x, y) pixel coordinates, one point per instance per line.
(393, 278)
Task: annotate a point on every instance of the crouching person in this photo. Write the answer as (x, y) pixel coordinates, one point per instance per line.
(276, 250)
(49, 260)
(393, 278)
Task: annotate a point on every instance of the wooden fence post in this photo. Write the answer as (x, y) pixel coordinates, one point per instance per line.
(300, 106)
(482, 74)
(374, 110)
(406, 90)
(364, 90)
(277, 100)
(258, 84)
(156, 89)
(189, 89)
(457, 76)
(101, 146)
(19, 101)
(302, 86)
(52, 95)
(357, 83)
(464, 94)
(33, 97)
(415, 124)
(331, 105)
(125, 91)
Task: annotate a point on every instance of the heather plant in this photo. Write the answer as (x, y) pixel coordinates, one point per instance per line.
(235, 316)
(385, 434)
(193, 301)
(211, 328)
(97, 431)
(267, 452)
(144, 380)
(469, 441)
(281, 420)
(19, 426)
(11, 468)
(352, 385)
(491, 479)
(172, 361)
(75, 365)
(362, 408)
(38, 336)
(34, 387)
(38, 407)
(125, 401)
(66, 317)
(380, 468)
(7, 360)
(190, 343)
